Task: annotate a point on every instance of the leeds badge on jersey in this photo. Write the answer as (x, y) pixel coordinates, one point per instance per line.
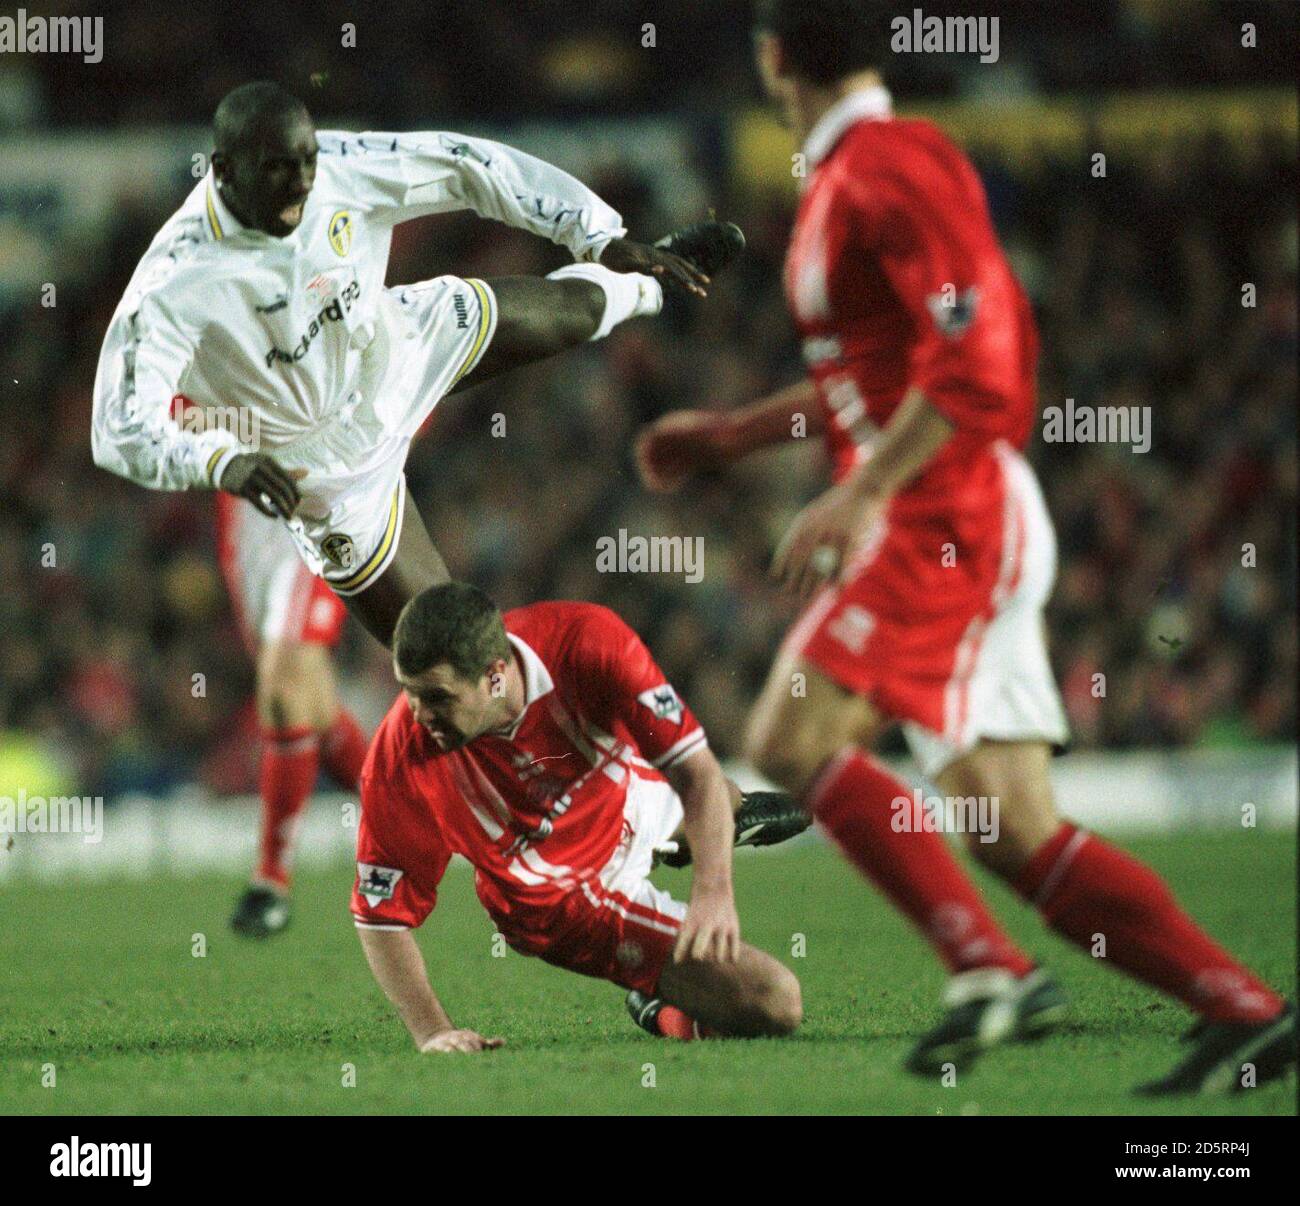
(340, 232)
(339, 550)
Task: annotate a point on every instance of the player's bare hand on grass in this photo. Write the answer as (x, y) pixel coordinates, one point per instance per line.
(678, 445)
(447, 1041)
(262, 480)
(824, 539)
(711, 929)
(624, 255)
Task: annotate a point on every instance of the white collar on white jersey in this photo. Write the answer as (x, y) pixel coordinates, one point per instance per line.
(873, 103)
(537, 680)
(221, 222)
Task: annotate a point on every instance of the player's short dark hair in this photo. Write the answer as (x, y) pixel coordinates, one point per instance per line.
(454, 623)
(826, 40)
(249, 108)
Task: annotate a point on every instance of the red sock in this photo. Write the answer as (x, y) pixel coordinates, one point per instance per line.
(852, 799)
(674, 1024)
(1085, 888)
(343, 750)
(290, 757)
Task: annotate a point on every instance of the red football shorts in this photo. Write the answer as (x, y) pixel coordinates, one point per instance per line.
(618, 926)
(942, 628)
(275, 596)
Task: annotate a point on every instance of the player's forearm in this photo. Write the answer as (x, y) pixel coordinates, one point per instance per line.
(155, 452)
(133, 431)
(708, 819)
(511, 186)
(910, 440)
(772, 420)
(397, 964)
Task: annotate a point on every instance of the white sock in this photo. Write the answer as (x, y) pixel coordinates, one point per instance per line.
(627, 294)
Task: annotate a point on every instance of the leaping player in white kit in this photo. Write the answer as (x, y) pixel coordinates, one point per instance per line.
(265, 293)
(263, 297)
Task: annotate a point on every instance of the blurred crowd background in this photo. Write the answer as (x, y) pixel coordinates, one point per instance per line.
(1178, 570)
(513, 59)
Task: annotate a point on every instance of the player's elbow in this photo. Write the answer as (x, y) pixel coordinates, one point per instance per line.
(126, 463)
(112, 461)
(105, 451)
(105, 455)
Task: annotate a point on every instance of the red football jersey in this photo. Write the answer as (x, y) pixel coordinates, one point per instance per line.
(895, 279)
(539, 809)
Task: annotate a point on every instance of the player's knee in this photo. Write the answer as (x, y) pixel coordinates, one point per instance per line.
(579, 310)
(285, 700)
(783, 1004)
(767, 1002)
(773, 762)
(789, 757)
(993, 854)
(1005, 849)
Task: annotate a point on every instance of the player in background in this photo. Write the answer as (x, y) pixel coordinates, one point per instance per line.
(933, 557)
(548, 749)
(265, 292)
(290, 621)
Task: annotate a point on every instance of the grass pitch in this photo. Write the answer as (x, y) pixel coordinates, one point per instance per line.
(99, 981)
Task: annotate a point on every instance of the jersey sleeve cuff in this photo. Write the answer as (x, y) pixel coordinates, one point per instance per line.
(591, 253)
(687, 746)
(215, 464)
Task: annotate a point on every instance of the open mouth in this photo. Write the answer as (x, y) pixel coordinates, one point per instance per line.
(291, 215)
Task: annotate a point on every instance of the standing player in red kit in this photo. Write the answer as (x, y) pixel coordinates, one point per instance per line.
(933, 557)
(548, 749)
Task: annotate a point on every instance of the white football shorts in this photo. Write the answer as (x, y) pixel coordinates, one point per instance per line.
(347, 526)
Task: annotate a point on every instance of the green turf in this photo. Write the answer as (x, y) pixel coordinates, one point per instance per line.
(99, 981)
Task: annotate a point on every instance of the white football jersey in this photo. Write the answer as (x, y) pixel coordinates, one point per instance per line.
(299, 333)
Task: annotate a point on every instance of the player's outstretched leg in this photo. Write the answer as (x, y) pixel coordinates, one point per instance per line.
(536, 318)
(763, 818)
(1091, 892)
(539, 317)
(754, 997)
